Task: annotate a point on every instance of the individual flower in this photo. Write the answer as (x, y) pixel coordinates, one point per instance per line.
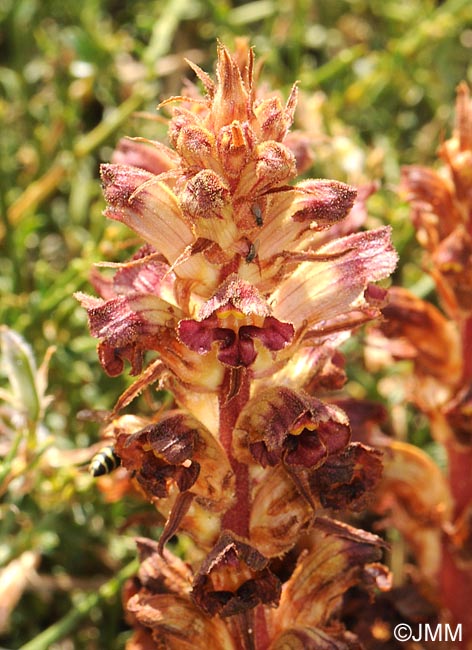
(233, 319)
(292, 428)
(159, 607)
(178, 454)
(339, 556)
(234, 578)
(310, 464)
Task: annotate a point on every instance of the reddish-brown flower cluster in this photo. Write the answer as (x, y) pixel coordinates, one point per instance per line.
(244, 289)
(434, 512)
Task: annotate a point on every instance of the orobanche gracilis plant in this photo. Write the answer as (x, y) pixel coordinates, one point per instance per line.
(434, 512)
(245, 287)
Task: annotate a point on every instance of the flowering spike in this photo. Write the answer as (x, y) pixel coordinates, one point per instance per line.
(463, 124)
(247, 285)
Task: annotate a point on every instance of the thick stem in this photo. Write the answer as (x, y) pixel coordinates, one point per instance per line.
(467, 351)
(455, 577)
(456, 592)
(460, 459)
(234, 395)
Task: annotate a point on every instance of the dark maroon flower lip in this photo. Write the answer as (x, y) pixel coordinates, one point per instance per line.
(233, 319)
(235, 346)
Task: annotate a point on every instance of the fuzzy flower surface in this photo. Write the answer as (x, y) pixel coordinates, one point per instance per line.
(243, 296)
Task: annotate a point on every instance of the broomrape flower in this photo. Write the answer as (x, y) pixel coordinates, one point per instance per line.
(245, 298)
(437, 519)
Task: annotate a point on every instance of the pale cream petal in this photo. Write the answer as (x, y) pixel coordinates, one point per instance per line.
(147, 206)
(321, 290)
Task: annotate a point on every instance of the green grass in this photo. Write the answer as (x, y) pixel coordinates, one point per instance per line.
(72, 75)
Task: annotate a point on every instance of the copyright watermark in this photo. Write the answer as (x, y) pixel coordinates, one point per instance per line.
(427, 632)
(402, 632)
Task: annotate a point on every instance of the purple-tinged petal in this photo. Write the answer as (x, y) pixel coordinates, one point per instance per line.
(299, 212)
(152, 156)
(127, 327)
(147, 206)
(318, 291)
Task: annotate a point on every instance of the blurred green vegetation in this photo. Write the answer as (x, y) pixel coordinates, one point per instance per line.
(378, 81)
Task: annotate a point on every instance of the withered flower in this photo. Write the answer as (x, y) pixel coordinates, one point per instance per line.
(245, 287)
(290, 427)
(178, 452)
(339, 557)
(233, 578)
(159, 607)
(304, 444)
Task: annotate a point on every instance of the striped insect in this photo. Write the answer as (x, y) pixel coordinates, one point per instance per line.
(104, 462)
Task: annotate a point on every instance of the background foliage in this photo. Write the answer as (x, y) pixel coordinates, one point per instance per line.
(378, 81)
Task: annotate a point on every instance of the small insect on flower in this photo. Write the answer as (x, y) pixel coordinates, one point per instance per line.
(104, 462)
(252, 252)
(257, 212)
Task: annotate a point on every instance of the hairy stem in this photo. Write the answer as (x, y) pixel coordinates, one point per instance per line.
(236, 386)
